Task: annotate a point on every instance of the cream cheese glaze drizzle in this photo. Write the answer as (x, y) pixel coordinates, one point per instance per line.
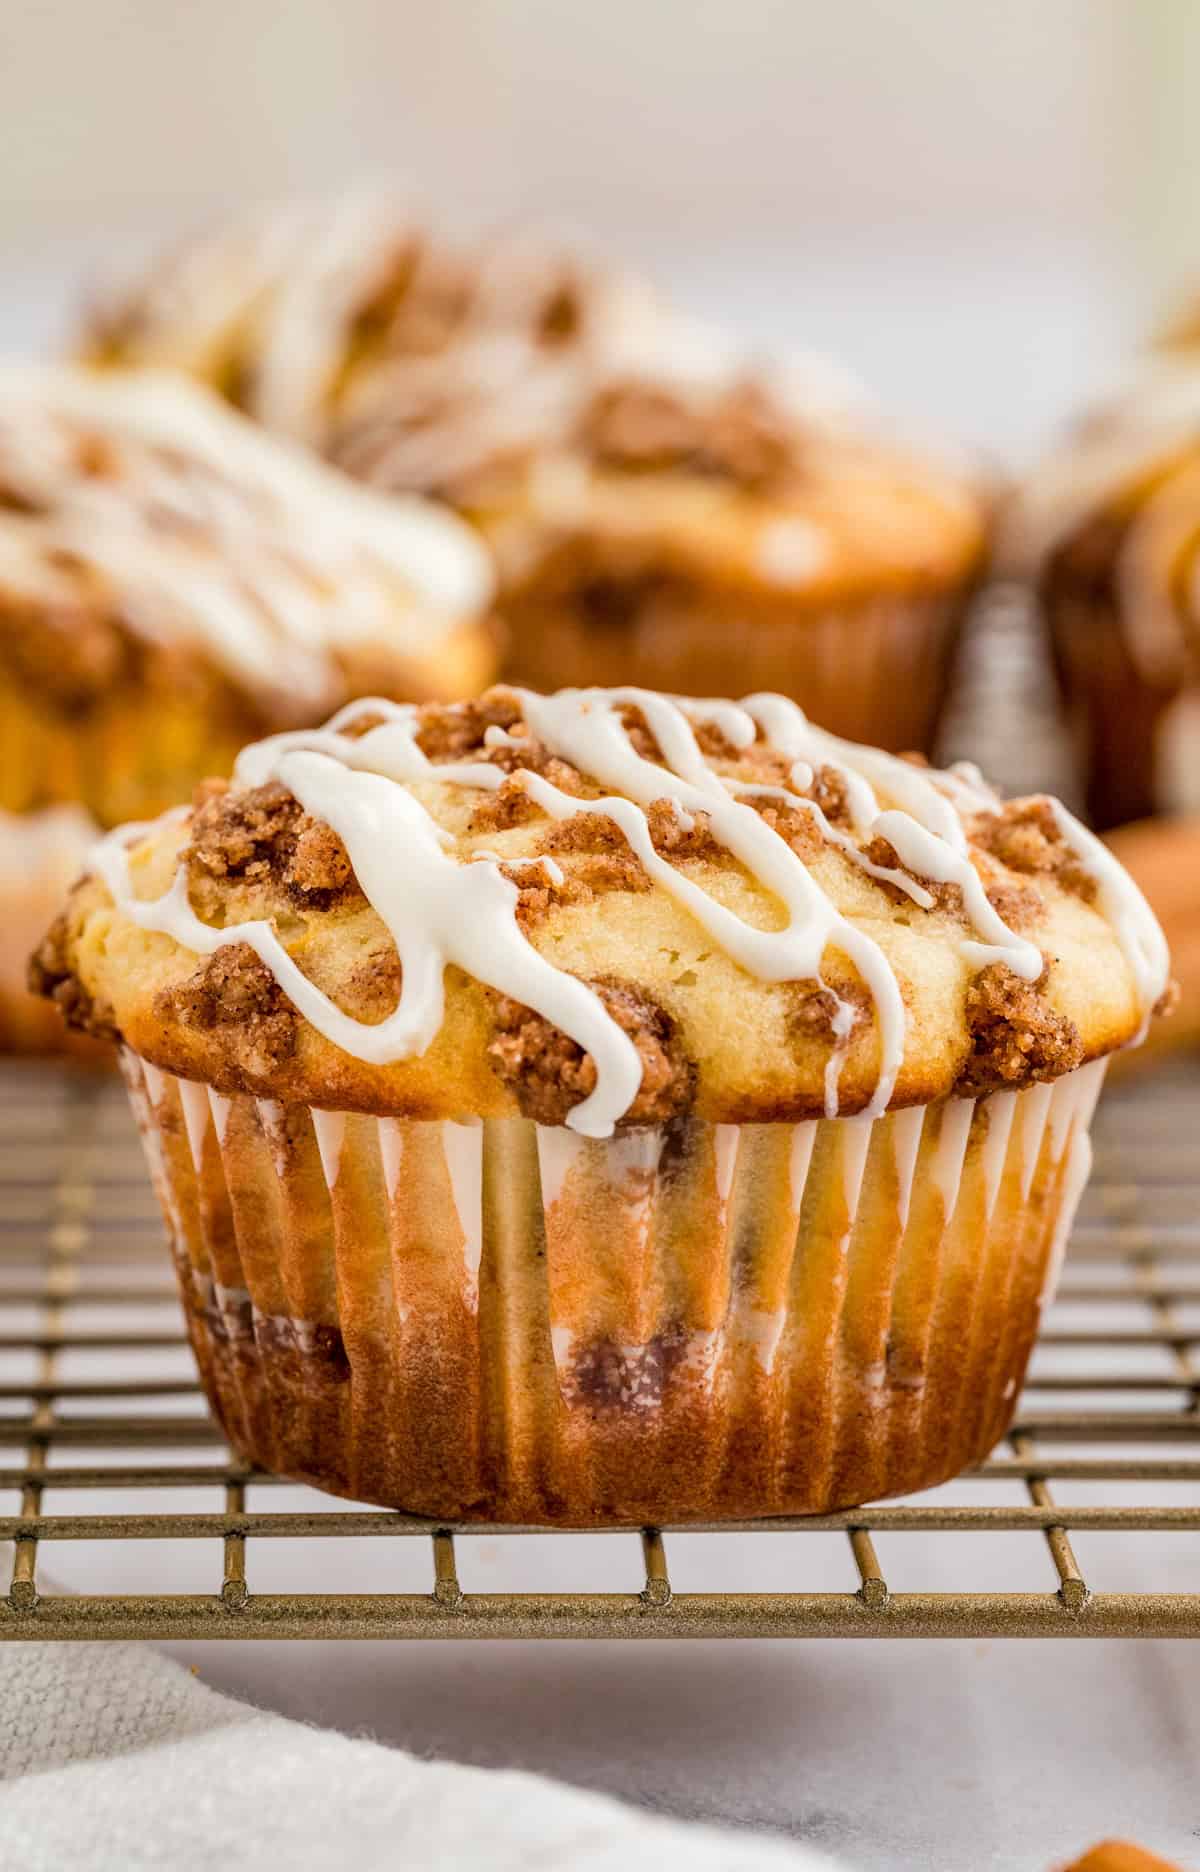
(441, 909)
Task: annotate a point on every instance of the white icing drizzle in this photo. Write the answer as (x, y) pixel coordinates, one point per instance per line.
(585, 728)
(214, 532)
(549, 866)
(802, 776)
(920, 791)
(439, 910)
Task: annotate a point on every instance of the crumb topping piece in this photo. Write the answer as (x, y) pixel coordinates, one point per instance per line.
(1017, 1038)
(1026, 836)
(51, 973)
(550, 1073)
(262, 835)
(233, 989)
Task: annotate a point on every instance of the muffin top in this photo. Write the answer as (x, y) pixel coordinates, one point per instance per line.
(548, 395)
(137, 510)
(603, 908)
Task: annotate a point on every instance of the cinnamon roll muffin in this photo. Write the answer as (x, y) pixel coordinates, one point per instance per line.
(172, 581)
(1107, 529)
(663, 507)
(607, 1107)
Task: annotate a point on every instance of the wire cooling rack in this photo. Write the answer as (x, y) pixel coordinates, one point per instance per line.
(99, 1402)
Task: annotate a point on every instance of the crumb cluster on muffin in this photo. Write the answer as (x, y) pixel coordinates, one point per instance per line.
(665, 506)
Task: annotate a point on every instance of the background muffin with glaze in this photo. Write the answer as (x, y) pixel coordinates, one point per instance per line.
(1107, 530)
(664, 506)
(172, 581)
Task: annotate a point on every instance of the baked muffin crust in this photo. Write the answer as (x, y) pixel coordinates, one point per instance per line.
(703, 938)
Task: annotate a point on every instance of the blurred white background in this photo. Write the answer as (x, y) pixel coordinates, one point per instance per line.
(975, 205)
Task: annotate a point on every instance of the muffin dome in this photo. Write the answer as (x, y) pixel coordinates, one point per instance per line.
(664, 506)
(605, 908)
(352, 326)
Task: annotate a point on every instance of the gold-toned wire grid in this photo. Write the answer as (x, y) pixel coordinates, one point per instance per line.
(1112, 1411)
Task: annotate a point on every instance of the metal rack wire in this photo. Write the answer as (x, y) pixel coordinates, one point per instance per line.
(87, 1318)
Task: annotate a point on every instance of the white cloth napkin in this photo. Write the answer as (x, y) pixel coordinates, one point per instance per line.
(114, 1758)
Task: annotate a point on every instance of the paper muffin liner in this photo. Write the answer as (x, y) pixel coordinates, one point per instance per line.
(503, 1321)
(876, 671)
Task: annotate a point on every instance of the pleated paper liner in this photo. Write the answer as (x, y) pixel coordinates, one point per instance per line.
(504, 1321)
(874, 670)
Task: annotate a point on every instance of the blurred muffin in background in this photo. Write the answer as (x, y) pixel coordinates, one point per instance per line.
(170, 579)
(1108, 530)
(664, 509)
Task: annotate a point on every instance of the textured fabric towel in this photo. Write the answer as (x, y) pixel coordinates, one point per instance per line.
(114, 1759)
